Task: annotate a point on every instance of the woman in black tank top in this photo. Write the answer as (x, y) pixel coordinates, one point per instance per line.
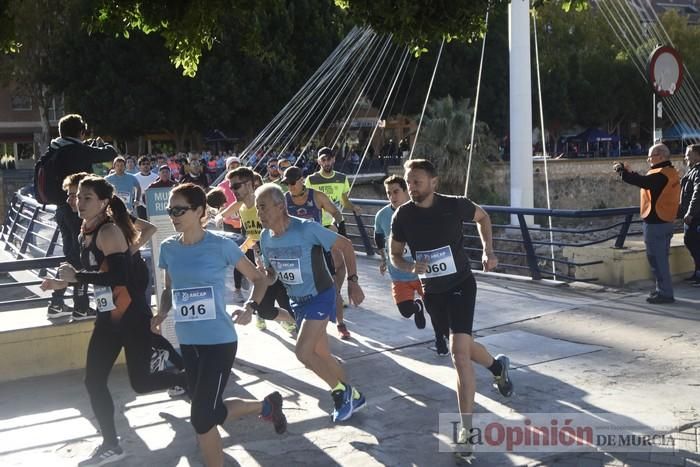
(123, 318)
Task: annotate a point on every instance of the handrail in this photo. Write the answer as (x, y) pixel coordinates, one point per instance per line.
(538, 265)
(29, 233)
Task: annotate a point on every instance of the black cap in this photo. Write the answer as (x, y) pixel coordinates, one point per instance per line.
(325, 151)
(292, 174)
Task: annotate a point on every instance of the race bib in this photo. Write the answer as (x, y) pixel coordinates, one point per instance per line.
(440, 262)
(125, 196)
(288, 270)
(194, 304)
(103, 298)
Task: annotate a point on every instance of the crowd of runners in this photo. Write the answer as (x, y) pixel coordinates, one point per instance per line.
(296, 259)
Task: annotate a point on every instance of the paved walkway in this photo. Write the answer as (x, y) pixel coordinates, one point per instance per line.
(573, 349)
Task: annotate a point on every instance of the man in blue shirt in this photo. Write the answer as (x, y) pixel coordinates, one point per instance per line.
(292, 250)
(127, 186)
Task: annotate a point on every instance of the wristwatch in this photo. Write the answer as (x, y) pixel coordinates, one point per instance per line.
(353, 278)
(254, 305)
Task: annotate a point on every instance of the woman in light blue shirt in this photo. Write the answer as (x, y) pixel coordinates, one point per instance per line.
(195, 263)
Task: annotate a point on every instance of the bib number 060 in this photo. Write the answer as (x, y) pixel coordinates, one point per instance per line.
(439, 267)
(187, 310)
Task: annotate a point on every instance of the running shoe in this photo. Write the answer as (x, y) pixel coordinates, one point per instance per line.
(260, 323)
(279, 421)
(289, 326)
(57, 311)
(238, 296)
(103, 455)
(419, 316)
(343, 401)
(660, 300)
(343, 332)
(358, 400)
(176, 391)
(503, 381)
(80, 315)
(441, 346)
(465, 455)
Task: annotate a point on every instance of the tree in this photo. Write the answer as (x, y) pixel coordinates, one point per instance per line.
(34, 31)
(444, 139)
(126, 87)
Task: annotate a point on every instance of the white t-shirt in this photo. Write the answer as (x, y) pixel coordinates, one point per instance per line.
(145, 180)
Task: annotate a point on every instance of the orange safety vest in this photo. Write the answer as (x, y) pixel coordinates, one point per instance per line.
(669, 198)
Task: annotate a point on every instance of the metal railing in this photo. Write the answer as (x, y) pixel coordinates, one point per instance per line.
(517, 245)
(30, 235)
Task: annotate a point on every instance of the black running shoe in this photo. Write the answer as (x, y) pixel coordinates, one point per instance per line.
(103, 455)
(57, 311)
(279, 421)
(502, 381)
(419, 316)
(79, 315)
(660, 300)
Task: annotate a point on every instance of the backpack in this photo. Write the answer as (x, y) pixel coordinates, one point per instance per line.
(47, 183)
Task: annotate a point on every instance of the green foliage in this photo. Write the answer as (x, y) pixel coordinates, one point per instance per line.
(444, 139)
(126, 87)
(586, 77)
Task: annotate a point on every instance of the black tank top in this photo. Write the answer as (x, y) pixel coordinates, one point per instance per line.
(125, 297)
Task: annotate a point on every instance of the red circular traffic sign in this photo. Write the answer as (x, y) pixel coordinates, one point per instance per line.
(665, 70)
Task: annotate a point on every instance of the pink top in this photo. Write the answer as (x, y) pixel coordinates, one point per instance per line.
(234, 221)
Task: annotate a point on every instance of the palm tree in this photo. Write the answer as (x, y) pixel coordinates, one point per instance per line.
(444, 140)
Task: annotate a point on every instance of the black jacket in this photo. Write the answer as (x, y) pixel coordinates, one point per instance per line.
(690, 194)
(75, 156)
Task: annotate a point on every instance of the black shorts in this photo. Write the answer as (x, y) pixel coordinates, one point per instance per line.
(208, 368)
(454, 309)
(274, 293)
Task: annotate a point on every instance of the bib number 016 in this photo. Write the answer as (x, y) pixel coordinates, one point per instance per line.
(186, 311)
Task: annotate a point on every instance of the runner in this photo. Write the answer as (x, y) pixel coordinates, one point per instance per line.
(404, 285)
(123, 314)
(243, 182)
(334, 185)
(161, 349)
(195, 263)
(431, 225)
(126, 185)
(292, 251)
(304, 202)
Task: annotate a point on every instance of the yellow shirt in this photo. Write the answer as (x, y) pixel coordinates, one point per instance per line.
(334, 187)
(251, 222)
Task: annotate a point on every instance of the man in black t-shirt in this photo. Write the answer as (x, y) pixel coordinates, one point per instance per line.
(431, 225)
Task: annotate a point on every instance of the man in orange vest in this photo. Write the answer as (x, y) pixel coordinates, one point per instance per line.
(659, 192)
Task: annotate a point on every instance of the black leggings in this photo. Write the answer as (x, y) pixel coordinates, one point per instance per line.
(132, 333)
(208, 368)
(237, 276)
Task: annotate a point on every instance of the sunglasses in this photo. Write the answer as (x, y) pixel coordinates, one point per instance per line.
(235, 186)
(291, 182)
(177, 211)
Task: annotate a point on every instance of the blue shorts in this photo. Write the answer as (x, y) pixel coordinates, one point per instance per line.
(320, 307)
